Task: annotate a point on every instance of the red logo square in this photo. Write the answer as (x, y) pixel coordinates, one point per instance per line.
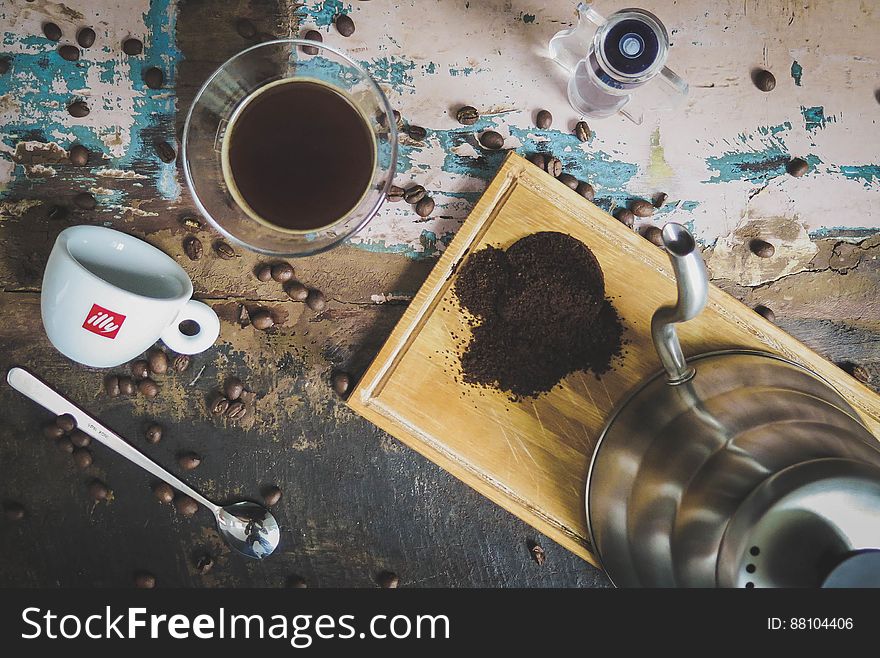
(103, 322)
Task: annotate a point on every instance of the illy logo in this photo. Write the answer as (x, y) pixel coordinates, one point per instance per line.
(103, 322)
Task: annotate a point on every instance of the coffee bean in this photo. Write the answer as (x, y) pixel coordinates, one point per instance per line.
(554, 166)
(394, 194)
(388, 580)
(568, 179)
(132, 46)
(126, 385)
(762, 248)
(297, 292)
(65, 445)
(68, 52)
(181, 363)
(111, 386)
(539, 160)
(66, 422)
(857, 372)
(467, 115)
(245, 28)
(154, 78)
(82, 457)
(538, 553)
(164, 492)
(98, 490)
(224, 250)
(86, 37)
(191, 223)
(233, 388)
(312, 35)
(398, 119)
(641, 208)
(271, 496)
(56, 213)
(13, 511)
(148, 388)
(165, 151)
(262, 320)
(297, 582)
(544, 120)
(316, 300)
(660, 199)
(4, 65)
(417, 133)
(344, 25)
(52, 31)
(219, 406)
(144, 580)
(185, 505)
(582, 131)
(282, 272)
(586, 190)
(764, 80)
(341, 383)
(765, 312)
(264, 272)
(236, 410)
(78, 155)
(52, 431)
(414, 194)
(189, 461)
(192, 247)
(204, 563)
(153, 433)
(78, 109)
(158, 361)
(797, 167)
(85, 200)
(140, 369)
(80, 439)
(425, 207)
(654, 235)
(491, 140)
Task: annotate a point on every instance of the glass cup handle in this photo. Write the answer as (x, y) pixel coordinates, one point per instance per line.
(209, 329)
(568, 47)
(673, 80)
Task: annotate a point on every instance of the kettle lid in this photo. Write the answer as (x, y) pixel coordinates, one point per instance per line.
(804, 526)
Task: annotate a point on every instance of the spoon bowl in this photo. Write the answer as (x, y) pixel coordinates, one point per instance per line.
(248, 528)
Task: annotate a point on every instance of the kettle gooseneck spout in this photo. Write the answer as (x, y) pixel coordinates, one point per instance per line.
(693, 290)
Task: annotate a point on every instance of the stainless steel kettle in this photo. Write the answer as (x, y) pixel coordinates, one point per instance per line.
(735, 469)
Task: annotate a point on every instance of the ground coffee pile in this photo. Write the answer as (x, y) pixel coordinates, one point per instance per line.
(540, 313)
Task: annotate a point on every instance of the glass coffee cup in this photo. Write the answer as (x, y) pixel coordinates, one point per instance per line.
(288, 149)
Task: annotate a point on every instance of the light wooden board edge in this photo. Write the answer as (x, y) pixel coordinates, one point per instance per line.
(518, 171)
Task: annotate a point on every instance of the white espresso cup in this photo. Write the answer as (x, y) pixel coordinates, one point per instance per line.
(107, 297)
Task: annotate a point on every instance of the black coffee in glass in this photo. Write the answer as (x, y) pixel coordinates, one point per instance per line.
(298, 155)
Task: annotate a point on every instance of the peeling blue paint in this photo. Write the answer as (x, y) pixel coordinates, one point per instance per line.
(869, 175)
(815, 119)
(43, 116)
(323, 13)
(394, 71)
(797, 72)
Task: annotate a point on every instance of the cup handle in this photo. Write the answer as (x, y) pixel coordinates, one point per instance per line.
(209, 329)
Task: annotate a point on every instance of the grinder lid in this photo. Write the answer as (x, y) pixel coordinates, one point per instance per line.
(804, 527)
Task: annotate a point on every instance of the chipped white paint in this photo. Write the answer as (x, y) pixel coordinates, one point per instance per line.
(715, 46)
(17, 208)
(123, 174)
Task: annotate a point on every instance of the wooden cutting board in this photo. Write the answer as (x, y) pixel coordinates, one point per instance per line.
(531, 457)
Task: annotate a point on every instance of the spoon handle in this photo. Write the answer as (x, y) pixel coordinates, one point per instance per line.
(41, 393)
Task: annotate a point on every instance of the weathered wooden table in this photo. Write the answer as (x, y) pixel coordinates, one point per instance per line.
(355, 501)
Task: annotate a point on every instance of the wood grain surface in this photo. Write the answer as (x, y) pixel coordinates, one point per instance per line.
(531, 456)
